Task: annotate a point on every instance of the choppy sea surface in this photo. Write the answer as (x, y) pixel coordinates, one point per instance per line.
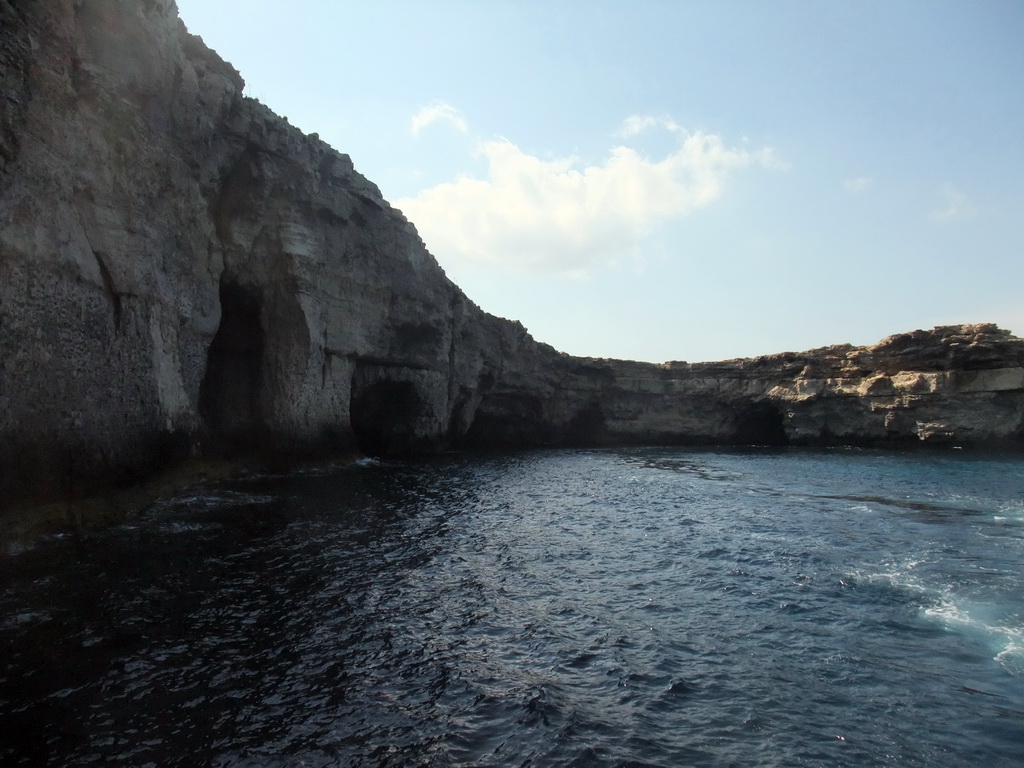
(641, 607)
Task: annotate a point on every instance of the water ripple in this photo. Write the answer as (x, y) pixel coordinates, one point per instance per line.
(594, 608)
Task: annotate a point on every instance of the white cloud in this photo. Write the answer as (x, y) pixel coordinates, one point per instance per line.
(858, 184)
(438, 112)
(636, 124)
(554, 216)
(956, 201)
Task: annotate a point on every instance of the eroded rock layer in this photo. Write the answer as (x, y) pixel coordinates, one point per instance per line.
(183, 274)
(953, 385)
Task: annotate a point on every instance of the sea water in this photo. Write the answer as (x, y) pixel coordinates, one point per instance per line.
(641, 607)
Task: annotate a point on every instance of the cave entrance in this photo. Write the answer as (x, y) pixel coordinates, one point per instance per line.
(384, 416)
(760, 424)
(508, 421)
(588, 427)
(230, 400)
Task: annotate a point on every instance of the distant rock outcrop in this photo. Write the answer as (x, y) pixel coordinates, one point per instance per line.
(961, 384)
(184, 274)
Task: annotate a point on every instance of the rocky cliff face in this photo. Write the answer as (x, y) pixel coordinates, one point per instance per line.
(181, 271)
(954, 385)
(184, 274)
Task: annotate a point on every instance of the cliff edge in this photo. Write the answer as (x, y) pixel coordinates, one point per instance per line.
(183, 274)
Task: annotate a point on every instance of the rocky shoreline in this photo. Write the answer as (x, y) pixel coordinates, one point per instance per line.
(185, 277)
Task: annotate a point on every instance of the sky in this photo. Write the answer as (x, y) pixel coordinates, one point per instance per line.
(675, 179)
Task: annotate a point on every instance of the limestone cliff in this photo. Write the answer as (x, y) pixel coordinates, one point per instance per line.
(183, 274)
(954, 385)
(181, 271)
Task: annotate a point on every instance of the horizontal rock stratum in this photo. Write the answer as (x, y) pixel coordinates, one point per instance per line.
(183, 274)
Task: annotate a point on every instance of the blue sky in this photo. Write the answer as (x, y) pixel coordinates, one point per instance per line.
(671, 180)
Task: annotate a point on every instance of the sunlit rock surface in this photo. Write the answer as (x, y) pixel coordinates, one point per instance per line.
(958, 385)
(183, 274)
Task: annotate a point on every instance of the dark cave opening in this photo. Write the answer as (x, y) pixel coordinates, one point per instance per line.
(230, 401)
(507, 421)
(760, 424)
(384, 415)
(588, 427)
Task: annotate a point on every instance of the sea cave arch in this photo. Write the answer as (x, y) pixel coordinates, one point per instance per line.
(230, 395)
(760, 424)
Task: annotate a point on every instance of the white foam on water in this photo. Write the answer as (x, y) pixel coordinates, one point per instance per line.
(897, 575)
(980, 621)
(1009, 512)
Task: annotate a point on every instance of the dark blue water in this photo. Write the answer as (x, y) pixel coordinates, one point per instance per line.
(647, 607)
